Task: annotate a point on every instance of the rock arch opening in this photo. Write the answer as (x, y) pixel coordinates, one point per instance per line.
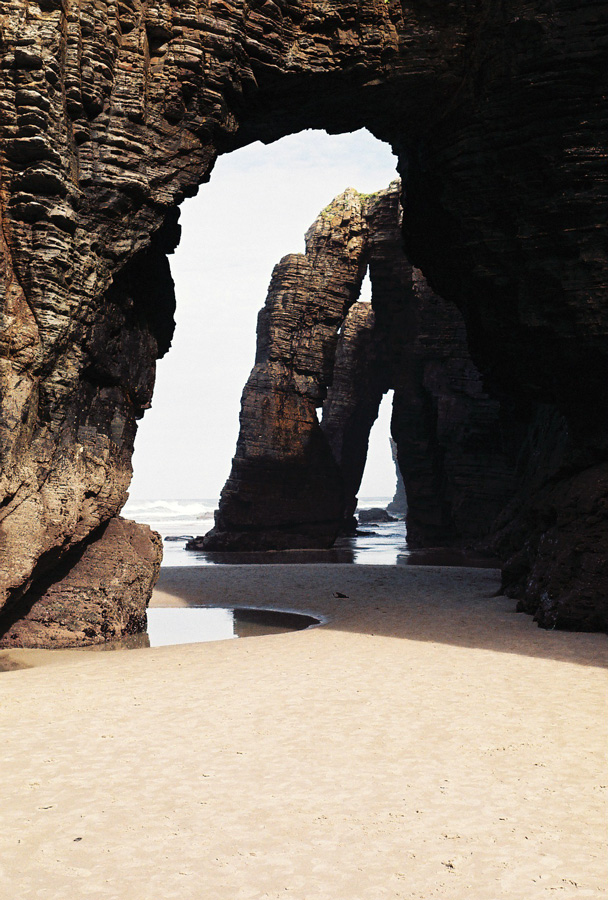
(256, 208)
(365, 294)
(379, 475)
(114, 113)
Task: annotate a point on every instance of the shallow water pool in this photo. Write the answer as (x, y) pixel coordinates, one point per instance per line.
(178, 625)
(193, 625)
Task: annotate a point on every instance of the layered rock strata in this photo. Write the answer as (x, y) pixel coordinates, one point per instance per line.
(98, 593)
(457, 472)
(285, 488)
(557, 513)
(448, 431)
(353, 400)
(110, 114)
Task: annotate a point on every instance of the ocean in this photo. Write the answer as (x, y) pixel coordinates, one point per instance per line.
(381, 544)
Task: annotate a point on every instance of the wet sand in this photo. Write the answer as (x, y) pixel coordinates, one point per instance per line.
(427, 742)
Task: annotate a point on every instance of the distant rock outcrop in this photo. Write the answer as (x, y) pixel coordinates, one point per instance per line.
(285, 488)
(374, 515)
(294, 483)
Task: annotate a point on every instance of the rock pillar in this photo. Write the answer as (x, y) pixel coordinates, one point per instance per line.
(285, 488)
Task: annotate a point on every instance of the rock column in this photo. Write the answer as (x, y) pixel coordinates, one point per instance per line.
(353, 400)
(285, 489)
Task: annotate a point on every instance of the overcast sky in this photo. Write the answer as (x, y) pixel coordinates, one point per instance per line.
(256, 208)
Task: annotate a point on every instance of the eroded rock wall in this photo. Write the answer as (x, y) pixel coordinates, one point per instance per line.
(504, 212)
(99, 592)
(111, 113)
(67, 439)
(448, 431)
(398, 505)
(557, 512)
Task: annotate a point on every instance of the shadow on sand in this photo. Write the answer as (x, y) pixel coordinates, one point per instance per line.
(448, 605)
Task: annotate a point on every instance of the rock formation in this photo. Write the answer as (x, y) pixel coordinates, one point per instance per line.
(398, 505)
(110, 114)
(98, 593)
(450, 446)
(555, 515)
(449, 432)
(353, 400)
(286, 489)
(374, 515)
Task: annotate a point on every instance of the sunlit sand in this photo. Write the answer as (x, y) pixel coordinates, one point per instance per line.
(426, 742)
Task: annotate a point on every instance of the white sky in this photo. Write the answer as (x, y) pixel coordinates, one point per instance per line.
(256, 208)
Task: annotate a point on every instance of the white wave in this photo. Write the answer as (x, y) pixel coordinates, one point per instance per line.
(371, 502)
(169, 510)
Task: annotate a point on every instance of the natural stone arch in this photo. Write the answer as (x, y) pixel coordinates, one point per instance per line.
(111, 115)
(294, 482)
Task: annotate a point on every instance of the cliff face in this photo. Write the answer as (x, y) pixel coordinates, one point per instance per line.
(450, 445)
(110, 114)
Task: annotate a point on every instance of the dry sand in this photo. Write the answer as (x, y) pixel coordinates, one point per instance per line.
(427, 742)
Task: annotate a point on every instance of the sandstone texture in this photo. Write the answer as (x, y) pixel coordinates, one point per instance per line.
(98, 594)
(112, 113)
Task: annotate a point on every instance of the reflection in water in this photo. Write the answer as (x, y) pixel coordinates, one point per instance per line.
(193, 625)
(447, 556)
(340, 553)
(186, 625)
(378, 544)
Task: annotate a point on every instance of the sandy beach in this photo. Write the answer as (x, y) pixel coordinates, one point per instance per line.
(426, 742)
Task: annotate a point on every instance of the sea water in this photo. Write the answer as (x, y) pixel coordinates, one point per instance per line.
(378, 544)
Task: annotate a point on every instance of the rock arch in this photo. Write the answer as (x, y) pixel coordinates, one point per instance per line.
(110, 114)
(294, 482)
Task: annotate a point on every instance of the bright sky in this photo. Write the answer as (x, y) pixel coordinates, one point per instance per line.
(256, 208)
